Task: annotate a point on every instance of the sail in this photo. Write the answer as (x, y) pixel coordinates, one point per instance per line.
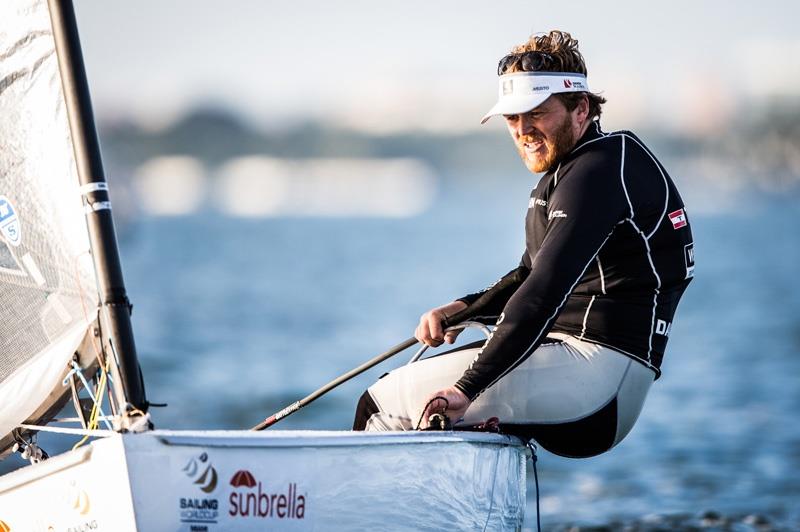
(48, 288)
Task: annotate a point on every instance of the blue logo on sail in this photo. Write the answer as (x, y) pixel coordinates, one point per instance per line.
(9, 223)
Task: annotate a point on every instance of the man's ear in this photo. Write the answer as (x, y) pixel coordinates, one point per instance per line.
(583, 107)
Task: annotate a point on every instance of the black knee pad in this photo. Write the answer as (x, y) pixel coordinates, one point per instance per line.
(585, 437)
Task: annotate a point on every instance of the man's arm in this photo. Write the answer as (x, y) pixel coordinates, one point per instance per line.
(494, 298)
(583, 211)
(498, 293)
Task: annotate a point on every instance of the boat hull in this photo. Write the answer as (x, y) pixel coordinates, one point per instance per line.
(278, 480)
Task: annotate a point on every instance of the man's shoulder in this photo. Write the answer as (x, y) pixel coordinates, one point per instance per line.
(595, 151)
(612, 141)
(611, 150)
(597, 158)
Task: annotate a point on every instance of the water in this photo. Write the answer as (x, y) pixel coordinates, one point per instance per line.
(236, 318)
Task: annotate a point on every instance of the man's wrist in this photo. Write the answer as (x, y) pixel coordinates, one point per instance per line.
(460, 387)
(469, 299)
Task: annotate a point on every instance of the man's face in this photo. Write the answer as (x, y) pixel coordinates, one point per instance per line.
(544, 135)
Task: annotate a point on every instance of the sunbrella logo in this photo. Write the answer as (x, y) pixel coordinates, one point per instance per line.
(203, 475)
(243, 478)
(4, 527)
(250, 499)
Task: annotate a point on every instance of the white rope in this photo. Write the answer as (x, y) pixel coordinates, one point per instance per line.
(99, 433)
(77, 419)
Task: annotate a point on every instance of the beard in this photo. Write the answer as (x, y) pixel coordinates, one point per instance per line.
(556, 147)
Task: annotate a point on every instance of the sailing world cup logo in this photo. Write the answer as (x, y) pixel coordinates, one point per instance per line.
(78, 499)
(9, 223)
(202, 473)
(200, 511)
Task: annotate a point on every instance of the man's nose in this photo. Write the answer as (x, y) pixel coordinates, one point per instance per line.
(525, 125)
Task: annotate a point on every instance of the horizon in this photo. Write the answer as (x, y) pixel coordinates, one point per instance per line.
(363, 69)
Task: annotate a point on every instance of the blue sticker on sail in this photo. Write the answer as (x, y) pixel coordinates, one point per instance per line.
(9, 223)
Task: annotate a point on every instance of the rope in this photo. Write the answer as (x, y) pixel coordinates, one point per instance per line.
(96, 398)
(86, 315)
(532, 447)
(491, 495)
(64, 430)
(97, 413)
(446, 404)
(74, 419)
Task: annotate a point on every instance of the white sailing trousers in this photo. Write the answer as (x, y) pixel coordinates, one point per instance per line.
(576, 398)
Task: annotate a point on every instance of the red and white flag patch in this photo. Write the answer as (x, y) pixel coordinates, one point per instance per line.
(678, 219)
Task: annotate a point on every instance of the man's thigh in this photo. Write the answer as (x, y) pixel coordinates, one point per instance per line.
(559, 383)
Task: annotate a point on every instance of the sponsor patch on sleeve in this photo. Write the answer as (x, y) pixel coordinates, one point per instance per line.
(678, 219)
(688, 257)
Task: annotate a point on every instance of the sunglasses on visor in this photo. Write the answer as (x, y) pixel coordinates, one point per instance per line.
(528, 62)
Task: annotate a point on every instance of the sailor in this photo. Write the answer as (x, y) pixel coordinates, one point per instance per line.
(581, 325)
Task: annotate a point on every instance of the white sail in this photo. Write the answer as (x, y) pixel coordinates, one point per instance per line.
(48, 289)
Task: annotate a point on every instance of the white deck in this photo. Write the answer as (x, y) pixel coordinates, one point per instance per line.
(274, 480)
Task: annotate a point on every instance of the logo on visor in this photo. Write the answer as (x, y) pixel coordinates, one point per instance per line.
(508, 86)
(567, 84)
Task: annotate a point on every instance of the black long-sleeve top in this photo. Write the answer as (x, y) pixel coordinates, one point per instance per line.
(609, 252)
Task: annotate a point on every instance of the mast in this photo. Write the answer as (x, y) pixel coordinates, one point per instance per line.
(117, 332)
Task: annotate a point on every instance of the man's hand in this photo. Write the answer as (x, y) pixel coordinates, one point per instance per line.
(429, 331)
(454, 407)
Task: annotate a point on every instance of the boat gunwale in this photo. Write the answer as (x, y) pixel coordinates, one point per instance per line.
(321, 438)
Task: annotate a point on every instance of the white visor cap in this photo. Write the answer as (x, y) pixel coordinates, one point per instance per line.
(521, 92)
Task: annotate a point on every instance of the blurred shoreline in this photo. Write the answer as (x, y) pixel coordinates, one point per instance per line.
(212, 158)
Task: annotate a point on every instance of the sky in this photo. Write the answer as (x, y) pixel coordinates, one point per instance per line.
(394, 66)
